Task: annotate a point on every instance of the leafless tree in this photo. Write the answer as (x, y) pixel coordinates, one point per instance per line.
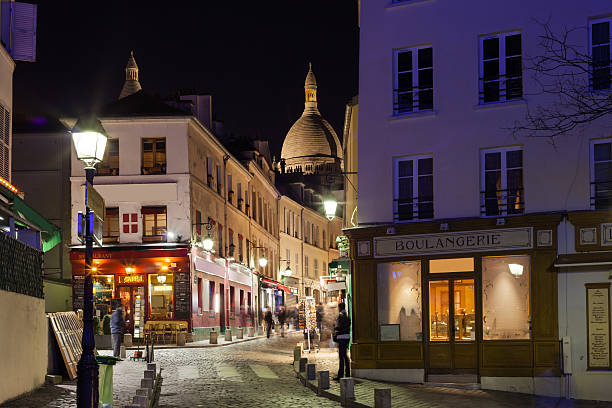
(565, 71)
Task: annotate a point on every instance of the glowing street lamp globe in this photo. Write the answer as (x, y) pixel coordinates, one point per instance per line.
(263, 262)
(208, 243)
(89, 139)
(330, 208)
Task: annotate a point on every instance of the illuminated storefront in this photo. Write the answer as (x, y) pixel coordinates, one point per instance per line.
(479, 301)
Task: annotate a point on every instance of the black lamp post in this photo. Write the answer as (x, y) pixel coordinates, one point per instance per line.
(89, 140)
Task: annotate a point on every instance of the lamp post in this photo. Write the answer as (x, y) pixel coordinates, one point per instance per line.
(89, 139)
(330, 208)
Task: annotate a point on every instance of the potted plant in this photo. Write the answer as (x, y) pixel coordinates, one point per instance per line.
(102, 338)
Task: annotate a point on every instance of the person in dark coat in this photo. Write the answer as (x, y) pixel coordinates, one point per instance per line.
(342, 336)
(117, 324)
(269, 321)
(282, 317)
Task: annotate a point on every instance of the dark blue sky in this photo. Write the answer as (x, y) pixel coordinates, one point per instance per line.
(251, 56)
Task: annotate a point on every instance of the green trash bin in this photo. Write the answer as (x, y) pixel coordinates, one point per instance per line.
(105, 380)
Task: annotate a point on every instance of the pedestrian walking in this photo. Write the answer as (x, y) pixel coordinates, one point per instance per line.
(269, 322)
(342, 336)
(117, 324)
(282, 317)
(319, 317)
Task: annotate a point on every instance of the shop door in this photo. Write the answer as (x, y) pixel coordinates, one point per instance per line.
(451, 345)
(223, 307)
(132, 299)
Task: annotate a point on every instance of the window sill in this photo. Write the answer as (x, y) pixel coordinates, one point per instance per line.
(500, 104)
(414, 115)
(393, 5)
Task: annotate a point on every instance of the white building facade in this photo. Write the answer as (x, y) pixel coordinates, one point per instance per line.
(482, 252)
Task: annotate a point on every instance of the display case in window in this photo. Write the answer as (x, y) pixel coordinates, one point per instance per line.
(161, 296)
(139, 312)
(103, 289)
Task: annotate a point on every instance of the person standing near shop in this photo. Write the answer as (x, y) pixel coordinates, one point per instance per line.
(342, 336)
(268, 319)
(117, 324)
(282, 317)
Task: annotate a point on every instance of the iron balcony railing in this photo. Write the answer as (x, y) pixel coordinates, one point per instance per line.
(412, 100)
(501, 88)
(502, 202)
(407, 209)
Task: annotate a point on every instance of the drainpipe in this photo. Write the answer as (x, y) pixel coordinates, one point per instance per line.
(301, 232)
(225, 232)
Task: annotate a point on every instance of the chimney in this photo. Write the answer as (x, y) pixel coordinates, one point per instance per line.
(201, 106)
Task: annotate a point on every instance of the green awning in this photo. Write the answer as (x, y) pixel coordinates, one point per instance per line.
(50, 233)
(339, 264)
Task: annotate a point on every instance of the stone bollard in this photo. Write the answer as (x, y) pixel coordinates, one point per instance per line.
(213, 337)
(181, 338)
(146, 392)
(140, 400)
(149, 374)
(251, 332)
(228, 334)
(240, 333)
(277, 329)
(122, 351)
(382, 398)
(347, 389)
(127, 340)
(311, 372)
(303, 362)
(152, 366)
(146, 383)
(322, 381)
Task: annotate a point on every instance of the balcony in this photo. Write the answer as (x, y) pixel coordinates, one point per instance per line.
(601, 195)
(160, 169)
(502, 202)
(407, 209)
(500, 88)
(412, 100)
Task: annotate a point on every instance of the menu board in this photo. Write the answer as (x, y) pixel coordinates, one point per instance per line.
(78, 292)
(181, 295)
(598, 326)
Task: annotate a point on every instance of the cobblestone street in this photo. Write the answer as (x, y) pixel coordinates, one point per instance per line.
(259, 373)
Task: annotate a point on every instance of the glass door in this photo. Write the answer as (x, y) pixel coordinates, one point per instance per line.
(452, 326)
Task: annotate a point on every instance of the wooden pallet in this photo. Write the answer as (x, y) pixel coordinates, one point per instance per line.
(68, 331)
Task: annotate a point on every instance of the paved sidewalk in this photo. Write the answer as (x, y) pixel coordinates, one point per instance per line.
(421, 396)
(200, 344)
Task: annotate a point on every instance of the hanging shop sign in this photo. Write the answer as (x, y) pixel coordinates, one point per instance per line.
(128, 279)
(453, 242)
(598, 326)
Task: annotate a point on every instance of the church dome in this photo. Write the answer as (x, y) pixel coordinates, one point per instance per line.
(311, 137)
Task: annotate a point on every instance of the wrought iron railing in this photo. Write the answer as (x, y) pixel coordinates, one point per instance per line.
(412, 100)
(501, 88)
(601, 195)
(407, 209)
(20, 268)
(502, 202)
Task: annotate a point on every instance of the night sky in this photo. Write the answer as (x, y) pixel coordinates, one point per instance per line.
(252, 56)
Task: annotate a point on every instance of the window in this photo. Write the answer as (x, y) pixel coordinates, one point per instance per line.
(110, 163)
(220, 240)
(601, 174)
(502, 182)
(505, 297)
(306, 265)
(211, 297)
(601, 61)
(413, 80)
(316, 267)
(130, 223)
(399, 298)
(230, 189)
(219, 180)
(501, 72)
(232, 301)
(198, 222)
(200, 301)
(230, 238)
(240, 251)
(209, 173)
(154, 222)
(111, 226)
(324, 242)
(240, 200)
(254, 211)
(154, 156)
(413, 188)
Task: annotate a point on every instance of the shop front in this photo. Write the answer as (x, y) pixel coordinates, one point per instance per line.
(151, 284)
(474, 302)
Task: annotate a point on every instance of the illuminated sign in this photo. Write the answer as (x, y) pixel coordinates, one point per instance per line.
(131, 279)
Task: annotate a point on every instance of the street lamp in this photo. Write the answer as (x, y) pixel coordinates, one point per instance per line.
(330, 208)
(89, 139)
(263, 261)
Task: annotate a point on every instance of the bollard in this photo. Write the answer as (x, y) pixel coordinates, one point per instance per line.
(181, 338)
(228, 334)
(144, 392)
(382, 398)
(140, 400)
(122, 351)
(251, 332)
(347, 389)
(149, 374)
(127, 340)
(322, 381)
(240, 333)
(152, 366)
(303, 362)
(311, 370)
(297, 354)
(213, 337)
(146, 383)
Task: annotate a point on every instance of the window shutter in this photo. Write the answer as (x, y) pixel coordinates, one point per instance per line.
(24, 32)
(5, 25)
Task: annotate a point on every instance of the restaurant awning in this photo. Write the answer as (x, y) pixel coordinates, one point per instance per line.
(599, 258)
(50, 233)
(275, 284)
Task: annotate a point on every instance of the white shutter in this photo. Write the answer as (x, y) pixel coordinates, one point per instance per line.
(24, 31)
(5, 138)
